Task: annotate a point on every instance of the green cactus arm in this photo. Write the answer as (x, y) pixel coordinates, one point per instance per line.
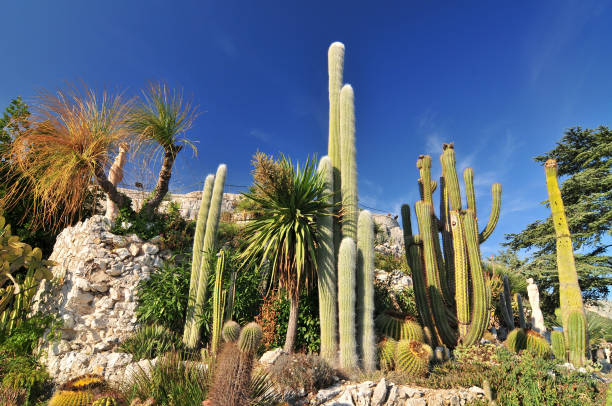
(326, 274)
(335, 60)
(449, 172)
(447, 239)
(577, 337)
(521, 311)
(468, 179)
(496, 191)
(198, 241)
(462, 299)
(480, 309)
(434, 288)
(348, 164)
(347, 258)
(413, 257)
(506, 304)
(424, 167)
(365, 291)
(217, 302)
(208, 248)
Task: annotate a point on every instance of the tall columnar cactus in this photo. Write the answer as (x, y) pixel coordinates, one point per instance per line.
(451, 288)
(346, 303)
(196, 260)
(506, 304)
(557, 341)
(335, 57)
(328, 305)
(208, 249)
(348, 167)
(365, 291)
(570, 295)
(577, 337)
(521, 311)
(218, 302)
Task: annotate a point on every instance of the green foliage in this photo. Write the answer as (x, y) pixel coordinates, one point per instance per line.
(173, 380)
(149, 342)
(389, 262)
(308, 337)
(176, 232)
(387, 299)
(294, 372)
(599, 329)
(518, 381)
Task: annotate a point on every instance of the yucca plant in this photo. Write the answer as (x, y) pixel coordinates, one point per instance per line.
(285, 231)
(70, 141)
(160, 119)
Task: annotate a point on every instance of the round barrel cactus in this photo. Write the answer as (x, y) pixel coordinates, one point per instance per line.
(413, 357)
(231, 331)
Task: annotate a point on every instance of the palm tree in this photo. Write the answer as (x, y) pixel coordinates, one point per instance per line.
(69, 143)
(160, 119)
(285, 230)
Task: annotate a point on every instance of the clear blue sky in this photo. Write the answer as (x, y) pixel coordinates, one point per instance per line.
(501, 82)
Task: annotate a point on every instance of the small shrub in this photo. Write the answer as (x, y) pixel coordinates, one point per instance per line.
(293, 372)
(390, 262)
(402, 302)
(12, 396)
(149, 342)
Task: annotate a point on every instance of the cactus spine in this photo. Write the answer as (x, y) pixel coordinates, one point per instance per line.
(218, 302)
(346, 303)
(208, 248)
(328, 306)
(451, 289)
(570, 295)
(365, 291)
(557, 342)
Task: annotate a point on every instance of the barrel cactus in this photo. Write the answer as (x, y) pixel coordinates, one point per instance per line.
(516, 340)
(557, 341)
(231, 331)
(386, 354)
(537, 344)
(106, 401)
(413, 357)
(399, 328)
(250, 338)
(71, 398)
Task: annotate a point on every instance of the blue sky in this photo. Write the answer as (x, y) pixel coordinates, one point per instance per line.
(502, 82)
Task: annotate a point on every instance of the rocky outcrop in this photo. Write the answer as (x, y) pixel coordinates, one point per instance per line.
(385, 393)
(96, 275)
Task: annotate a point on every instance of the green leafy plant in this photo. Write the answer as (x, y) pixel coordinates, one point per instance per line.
(149, 342)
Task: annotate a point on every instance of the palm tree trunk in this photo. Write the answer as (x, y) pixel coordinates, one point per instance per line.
(121, 200)
(292, 325)
(163, 179)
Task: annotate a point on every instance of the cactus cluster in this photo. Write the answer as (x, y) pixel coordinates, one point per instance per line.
(204, 245)
(85, 390)
(570, 296)
(233, 369)
(451, 288)
(345, 255)
(399, 327)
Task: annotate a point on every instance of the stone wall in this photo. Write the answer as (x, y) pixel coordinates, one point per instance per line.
(97, 273)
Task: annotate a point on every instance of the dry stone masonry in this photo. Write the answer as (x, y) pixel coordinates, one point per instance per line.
(94, 296)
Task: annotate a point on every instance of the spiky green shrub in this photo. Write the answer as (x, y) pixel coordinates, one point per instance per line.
(386, 354)
(516, 340)
(149, 342)
(557, 341)
(231, 331)
(412, 357)
(398, 327)
(537, 344)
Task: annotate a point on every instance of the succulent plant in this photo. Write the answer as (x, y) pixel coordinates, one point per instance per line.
(105, 401)
(219, 296)
(413, 357)
(250, 338)
(577, 337)
(365, 291)
(516, 340)
(71, 398)
(346, 303)
(231, 331)
(399, 327)
(537, 344)
(557, 341)
(386, 354)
